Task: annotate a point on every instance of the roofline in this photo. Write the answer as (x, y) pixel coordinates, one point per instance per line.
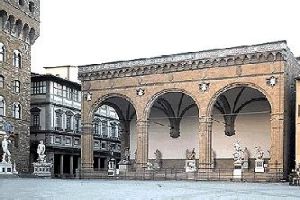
(212, 53)
(56, 78)
(60, 66)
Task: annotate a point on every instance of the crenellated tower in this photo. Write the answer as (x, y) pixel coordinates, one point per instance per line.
(19, 28)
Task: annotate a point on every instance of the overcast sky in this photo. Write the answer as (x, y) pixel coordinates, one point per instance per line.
(78, 32)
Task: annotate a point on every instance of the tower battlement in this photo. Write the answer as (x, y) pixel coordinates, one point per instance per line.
(21, 19)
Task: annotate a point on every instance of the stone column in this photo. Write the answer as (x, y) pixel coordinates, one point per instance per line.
(61, 167)
(79, 162)
(124, 136)
(71, 165)
(205, 140)
(87, 148)
(277, 138)
(99, 163)
(142, 144)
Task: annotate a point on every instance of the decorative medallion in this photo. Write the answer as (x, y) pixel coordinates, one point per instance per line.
(140, 92)
(203, 86)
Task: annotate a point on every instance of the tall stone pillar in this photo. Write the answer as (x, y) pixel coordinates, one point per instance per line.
(79, 163)
(87, 148)
(124, 136)
(277, 138)
(142, 144)
(71, 165)
(205, 142)
(61, 167)
(99, 163)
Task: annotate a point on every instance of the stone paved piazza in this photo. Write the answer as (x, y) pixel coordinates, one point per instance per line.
(116, 189)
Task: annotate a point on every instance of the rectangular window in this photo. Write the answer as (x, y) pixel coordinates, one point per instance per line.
(75, 95)
(16, 86)
(104, 129)
(57, 89)
(38, 87)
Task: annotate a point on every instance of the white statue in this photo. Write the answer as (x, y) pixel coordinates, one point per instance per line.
(41, 151)
(259, 153)
(190, 155)
(157, 162)
(238, 154)
(246, 154)
(5, 143)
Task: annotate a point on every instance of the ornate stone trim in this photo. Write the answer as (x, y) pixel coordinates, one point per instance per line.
(268, 52)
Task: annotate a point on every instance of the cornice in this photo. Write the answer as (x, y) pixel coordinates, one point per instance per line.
(267, 52)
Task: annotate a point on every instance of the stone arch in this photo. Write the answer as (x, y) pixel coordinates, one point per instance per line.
(147, 110)
(234, 85)
(101, 99)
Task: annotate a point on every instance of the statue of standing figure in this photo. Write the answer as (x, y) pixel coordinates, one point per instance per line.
(259, 153)
(190, 155)
(6, 152)
(41, 151)
(157, 162)
(238, 152)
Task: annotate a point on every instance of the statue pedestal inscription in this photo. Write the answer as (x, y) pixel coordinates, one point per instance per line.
(190, 166)
(259, 166)
(237, 171)
(42, 169)
(124, 166)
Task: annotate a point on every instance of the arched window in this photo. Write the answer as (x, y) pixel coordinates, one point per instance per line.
(97, 126)
(21, 2)
(58, 119)
(77, 123)
(17, 110)
(2, 106)
(69, 116)
(1, 81)
(2, 52)
(17, 60)
(16, 86)
(35, 118)
(31, 6)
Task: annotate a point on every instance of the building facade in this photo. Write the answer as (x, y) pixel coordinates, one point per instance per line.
(20, 27)
(56, 119)
(204, 100)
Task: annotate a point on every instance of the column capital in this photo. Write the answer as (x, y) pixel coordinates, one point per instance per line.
(205, 119)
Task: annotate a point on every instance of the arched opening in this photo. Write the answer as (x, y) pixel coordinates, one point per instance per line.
(241, 114)
(173, 127)
(113, 120)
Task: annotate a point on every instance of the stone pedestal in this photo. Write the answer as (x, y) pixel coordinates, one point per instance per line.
(42, 169)
(111, 167)
(190, 166)
(124, 166)
(259, 166)
(7, 168)
(238, 170)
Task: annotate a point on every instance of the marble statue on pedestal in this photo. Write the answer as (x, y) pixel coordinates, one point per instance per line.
(125, 162)
(259, 160)
(41, 167)
(6, 152)
(6, 167)
(190, 162)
